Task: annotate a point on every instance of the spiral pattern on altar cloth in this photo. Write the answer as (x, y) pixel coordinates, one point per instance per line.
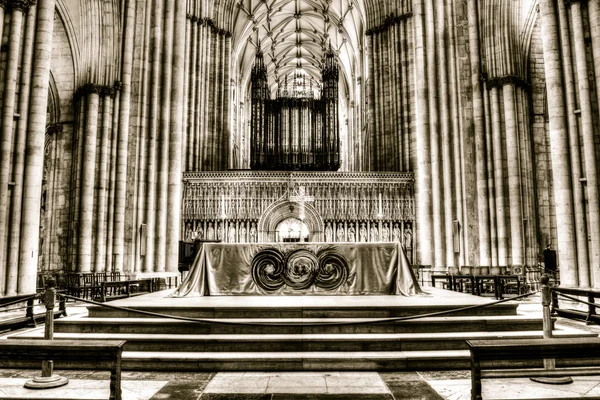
(333, 270)
(267, 268)
(299, 269)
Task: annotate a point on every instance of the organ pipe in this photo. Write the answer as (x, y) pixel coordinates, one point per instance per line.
(295, 131)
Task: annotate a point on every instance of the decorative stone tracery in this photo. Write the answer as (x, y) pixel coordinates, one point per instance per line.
(246, 207)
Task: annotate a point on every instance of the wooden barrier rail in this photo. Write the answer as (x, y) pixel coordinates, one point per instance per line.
(486, 353)
(591, 316)
(29, 317)
(93, 354)
(475, 284)
(123, 289)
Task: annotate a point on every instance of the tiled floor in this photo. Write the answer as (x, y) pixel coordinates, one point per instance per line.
(424, 385)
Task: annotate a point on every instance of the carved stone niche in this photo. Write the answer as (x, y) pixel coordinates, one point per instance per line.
(284, 209)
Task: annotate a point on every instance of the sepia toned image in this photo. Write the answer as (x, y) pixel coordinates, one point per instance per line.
(299, 199)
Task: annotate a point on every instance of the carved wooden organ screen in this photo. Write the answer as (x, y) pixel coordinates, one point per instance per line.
(295, 131)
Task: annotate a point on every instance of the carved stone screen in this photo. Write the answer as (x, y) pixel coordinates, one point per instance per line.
(337, 207)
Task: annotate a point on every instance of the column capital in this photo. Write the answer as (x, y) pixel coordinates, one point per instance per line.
(54, 129)
(22, 5)
(88, 88)
(568, 3)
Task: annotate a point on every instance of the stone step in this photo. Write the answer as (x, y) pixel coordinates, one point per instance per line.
(298, 342)
(296, 361)
(298, 325)
(303, 311)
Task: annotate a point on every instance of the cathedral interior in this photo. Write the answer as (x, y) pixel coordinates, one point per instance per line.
(468, 131)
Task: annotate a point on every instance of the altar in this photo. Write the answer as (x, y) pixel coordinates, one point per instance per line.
(300, 269)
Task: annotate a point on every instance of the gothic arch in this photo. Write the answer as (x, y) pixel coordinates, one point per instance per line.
(283, 209)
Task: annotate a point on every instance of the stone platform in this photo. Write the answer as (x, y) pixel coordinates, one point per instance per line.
(301, 333)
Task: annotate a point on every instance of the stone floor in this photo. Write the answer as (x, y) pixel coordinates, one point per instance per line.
(424, 385)
(419, 385)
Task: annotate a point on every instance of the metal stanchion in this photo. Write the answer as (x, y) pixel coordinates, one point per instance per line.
(48, 380)
(549, 363)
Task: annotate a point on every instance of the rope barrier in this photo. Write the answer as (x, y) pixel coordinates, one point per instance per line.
(229, 322)
(578, 300)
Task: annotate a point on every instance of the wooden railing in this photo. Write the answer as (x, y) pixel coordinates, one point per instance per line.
(480, 284)
(575, 295)
(19, 311)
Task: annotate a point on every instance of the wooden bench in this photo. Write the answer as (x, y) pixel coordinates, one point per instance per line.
(485, 354)
(95, 354)
(124, 289)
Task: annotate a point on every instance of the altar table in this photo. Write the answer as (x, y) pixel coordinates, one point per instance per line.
(300, 269)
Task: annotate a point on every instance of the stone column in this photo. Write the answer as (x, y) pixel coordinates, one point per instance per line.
(123, 137)
(102, 185)
(112, 162)
(514, 163)
(479, 133)
(34, 148)
(594, 17)
(153, 128)
(372, 116)
(489, 151)
(423, 170)
(192, 147)
(8, 116)
(162, 214)
(19, 155)
(91, 93)
(502, 233)
(559, 144)
(575, 150)
(589, 142)
(175, 187)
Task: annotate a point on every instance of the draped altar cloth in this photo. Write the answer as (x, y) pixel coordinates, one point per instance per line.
(300, 269)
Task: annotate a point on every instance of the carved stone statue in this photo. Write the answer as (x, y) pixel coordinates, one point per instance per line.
(408, 238)
(200, 232)
(328, 233)
(220, 231)
(253, 233)
(242, 232)
(385, 233)
(374, 232)
(189, 233)
(210, 232)
(340, 232)
(363, 232)
(396, 233)
(351, 233)
(231, 233)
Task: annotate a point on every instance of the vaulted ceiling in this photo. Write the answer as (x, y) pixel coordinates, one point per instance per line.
(294, 34)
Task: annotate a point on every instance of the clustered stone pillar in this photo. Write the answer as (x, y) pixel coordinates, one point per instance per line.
(559, 142)
(34, 148)
(483, 209)
(423, 170)
(571, 110)
(19, 41)
(159, 157)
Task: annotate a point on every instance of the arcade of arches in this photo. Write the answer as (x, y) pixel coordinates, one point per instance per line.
(467, 130)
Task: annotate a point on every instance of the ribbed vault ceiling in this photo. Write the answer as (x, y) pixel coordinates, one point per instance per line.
(293, 35)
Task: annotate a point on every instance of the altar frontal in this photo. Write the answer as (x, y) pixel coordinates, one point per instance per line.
(300, 269)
